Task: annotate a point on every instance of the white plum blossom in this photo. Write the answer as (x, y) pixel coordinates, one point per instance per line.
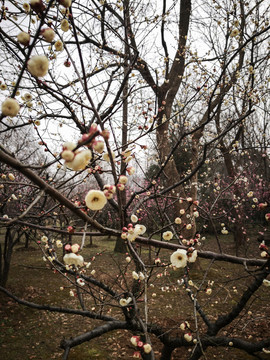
(125, 302)
(95, 200)
(109, 191)
(75, 248)
(179, 258)
(67, 155)
(141, 276)
(23, 38)
(38, 65)
(59, 243)
(80, 281)
(26, 7)
(133, 234)
(121, 187)
(98, 146)
(192, 256)
(48, 34)
(185, 325)
(68, 145)
(266, 282)
(10, 107)
(79, 161)
(27, 97)
(167, 235)
(131, 170)
(208, 291)
(44, 238)
(58, 45)
(134, 340)
(147, 348)
(234, 33)
(73, 259)
(224, 231)
(134, 218)
(135, 275)
(188, 337)
(123, 179)
(140, 229)
(64, 25)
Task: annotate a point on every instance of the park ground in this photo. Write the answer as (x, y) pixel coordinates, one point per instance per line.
(30, 334)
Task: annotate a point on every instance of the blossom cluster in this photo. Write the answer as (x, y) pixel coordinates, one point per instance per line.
(145, 347)
(181, 257)
(138, 276)
(132, 232)
(76, 159)
(72, 257)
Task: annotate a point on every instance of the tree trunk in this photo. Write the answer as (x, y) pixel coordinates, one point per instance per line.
(6, 257)
(171, 173)
(120, 245)
(166, 353)
(27, 239)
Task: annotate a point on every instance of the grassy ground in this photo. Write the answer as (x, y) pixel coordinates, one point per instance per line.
(29, 334)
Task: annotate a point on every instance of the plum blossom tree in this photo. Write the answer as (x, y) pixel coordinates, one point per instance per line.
(97, 84)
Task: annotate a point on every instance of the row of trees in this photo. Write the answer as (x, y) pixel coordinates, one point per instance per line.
(91, 92)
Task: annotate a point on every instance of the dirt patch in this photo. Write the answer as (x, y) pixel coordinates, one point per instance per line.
(31, 334)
